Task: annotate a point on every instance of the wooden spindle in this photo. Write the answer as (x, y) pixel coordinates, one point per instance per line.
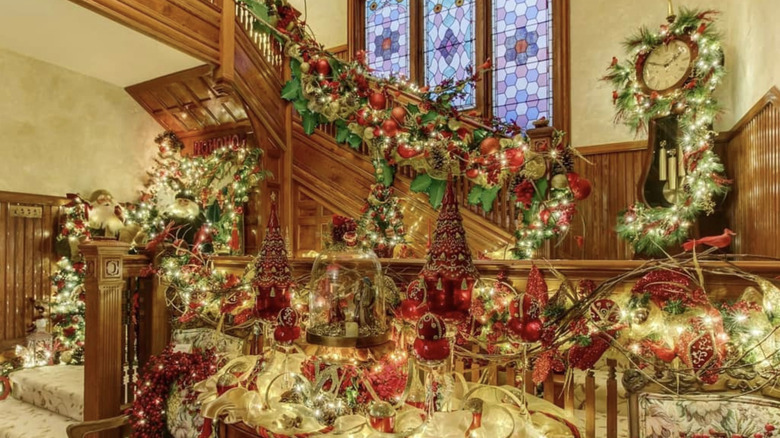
(590, 405)
(549, 388)
(612, 400)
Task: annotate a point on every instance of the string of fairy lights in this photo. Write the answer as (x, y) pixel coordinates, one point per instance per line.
(651, 229)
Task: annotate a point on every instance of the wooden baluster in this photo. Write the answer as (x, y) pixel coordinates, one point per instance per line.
(511, 375)
(549, 388)
(612, 400)
(568, 397)
(590, 405)
(528, 382)
(103, 284)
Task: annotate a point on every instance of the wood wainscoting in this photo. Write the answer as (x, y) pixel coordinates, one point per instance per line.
(26, 258)
(752, 159)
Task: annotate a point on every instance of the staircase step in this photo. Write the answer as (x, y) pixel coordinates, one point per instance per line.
(23, 420)
(58, 388)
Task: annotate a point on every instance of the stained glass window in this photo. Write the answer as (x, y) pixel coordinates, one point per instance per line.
(387, 37)
(522, 54)
(449, 43)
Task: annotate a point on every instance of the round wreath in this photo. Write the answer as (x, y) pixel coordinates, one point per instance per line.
(651, 229)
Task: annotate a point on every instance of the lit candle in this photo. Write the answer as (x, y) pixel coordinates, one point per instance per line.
(662, 162)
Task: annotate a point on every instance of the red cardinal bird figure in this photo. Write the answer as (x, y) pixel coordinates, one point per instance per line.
(721, 241)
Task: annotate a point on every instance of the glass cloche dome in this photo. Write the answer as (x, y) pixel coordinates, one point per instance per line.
(346, 299)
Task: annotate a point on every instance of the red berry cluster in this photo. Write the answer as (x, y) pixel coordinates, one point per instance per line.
(147, 414)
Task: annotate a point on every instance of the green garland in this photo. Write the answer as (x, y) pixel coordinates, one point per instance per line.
(651, 229)
(221, 182)
(430, 135)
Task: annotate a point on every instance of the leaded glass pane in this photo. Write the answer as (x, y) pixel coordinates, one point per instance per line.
(387, 37)
(449, 43)
(522, 52)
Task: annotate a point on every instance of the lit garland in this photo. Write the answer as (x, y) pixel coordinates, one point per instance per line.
(221, 182)
(67, 302)
(429, 135)
(651, 229)
(148, 414)
(381, 227)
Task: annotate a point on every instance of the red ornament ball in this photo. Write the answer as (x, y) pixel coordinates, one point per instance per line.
(516, 326)
(377, 101)
(415, 291)
(411, 310)
(431, 327)
(532, 331)
(489, 145)
(432, 350)
(286, 335)
(322, 66)
(472, 173)
(399, 114)
(581, 189)
(544, 215)
(390, 127)
(406, 151)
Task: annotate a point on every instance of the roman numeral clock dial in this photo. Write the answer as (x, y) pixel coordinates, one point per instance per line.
(667, 66)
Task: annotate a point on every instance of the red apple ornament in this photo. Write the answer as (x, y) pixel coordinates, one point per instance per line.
(390, 127)
(399, 114)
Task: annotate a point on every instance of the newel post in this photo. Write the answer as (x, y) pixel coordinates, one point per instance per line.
(541, 136)
(103, 284)
(225, 74)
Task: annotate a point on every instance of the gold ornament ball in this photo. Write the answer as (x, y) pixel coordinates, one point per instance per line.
(559, 181)
(305, 66)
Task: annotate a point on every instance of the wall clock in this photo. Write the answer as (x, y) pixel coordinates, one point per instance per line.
(667, 84)
(668, 66)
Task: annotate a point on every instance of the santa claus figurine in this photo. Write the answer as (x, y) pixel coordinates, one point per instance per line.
(105, 214)
(186, 216)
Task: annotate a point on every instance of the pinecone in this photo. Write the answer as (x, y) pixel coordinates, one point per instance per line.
(564, 162)
(439, 157)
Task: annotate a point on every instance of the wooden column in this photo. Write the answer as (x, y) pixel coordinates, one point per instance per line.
(226, 72)
(103, 345)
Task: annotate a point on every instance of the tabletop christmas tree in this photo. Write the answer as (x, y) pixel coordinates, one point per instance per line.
(273, 276)
(449, 273)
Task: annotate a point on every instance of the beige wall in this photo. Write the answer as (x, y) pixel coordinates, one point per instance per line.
(327, 19)
(755, 65)
(61, 131)
(598, 29)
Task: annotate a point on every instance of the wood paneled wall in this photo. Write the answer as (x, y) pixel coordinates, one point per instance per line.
(752, 159)
(26, 259)
(614, 171)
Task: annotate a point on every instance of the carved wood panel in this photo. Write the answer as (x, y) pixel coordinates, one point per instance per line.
(26, 259)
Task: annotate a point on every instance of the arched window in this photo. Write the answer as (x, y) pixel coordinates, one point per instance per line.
(430, 41)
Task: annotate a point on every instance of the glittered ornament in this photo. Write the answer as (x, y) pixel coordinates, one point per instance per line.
(584, 357)
(273, 276)
(536, 286)
(532, 330)
(287, 329)
(431, 343)
(449, 273)
(604, 312)
(559, 181)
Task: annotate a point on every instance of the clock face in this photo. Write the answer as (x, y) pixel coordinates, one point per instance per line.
(667, 65)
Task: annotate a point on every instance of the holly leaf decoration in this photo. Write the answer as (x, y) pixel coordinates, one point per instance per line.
(354, 141)
(413, 109)
(487, 198)
(213, 212)
(541, 189)
(342, 132)
(429, 117)
(421, 183)
(475, 195)
(309, 122)
(291, 89)
(436, 192)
